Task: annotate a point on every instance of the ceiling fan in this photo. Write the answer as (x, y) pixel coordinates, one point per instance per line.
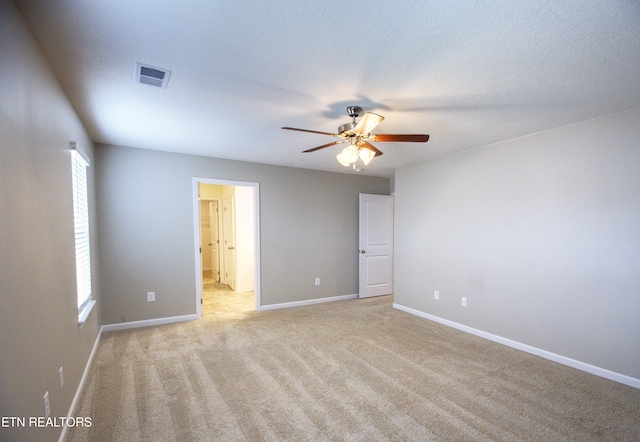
(359, 135)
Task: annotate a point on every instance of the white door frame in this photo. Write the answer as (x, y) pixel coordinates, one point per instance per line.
(198, 239)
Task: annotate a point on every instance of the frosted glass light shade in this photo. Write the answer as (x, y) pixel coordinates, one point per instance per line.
(341, 159)
(351, 154)
(348, 156)
(366, 155)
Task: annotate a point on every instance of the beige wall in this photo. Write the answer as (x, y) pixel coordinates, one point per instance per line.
(541, 234)
(38, 307)
(309, 225)
(210, 191)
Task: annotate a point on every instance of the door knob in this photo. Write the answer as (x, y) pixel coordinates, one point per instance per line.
(363, 251)
(231, 248)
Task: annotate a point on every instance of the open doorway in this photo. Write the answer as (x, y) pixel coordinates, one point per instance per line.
(226, 220)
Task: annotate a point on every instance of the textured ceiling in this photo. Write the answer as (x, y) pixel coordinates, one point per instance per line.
(467, 72)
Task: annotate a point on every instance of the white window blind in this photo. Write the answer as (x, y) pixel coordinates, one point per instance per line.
(79, 164)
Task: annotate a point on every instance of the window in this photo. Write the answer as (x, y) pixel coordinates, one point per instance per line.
(79, 164)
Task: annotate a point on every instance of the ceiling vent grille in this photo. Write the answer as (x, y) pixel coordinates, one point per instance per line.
(152, 76)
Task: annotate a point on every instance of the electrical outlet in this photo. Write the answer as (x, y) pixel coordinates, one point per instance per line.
(151, 296)
(61, 371)
(436, 294)
(47, 409)
(317, 281)
(464, 301)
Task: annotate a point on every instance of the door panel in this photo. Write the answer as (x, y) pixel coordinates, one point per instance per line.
(229, 243)
(214, 240)
(205, 234)
(376, 245)
(377, 270)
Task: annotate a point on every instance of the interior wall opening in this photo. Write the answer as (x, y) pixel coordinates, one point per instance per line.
(227, 247)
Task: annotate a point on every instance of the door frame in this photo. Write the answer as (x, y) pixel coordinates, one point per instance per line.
(198, 240)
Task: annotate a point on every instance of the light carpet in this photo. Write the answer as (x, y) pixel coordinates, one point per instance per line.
(355, 370)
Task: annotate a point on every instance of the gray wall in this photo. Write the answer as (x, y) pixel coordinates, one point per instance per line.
(38, 310)
(541, 234)
(309, 229)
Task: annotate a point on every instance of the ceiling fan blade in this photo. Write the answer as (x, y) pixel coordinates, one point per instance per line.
(416, 138)
(371, 147)
(311, 131)
(367, 123)
(313, 149)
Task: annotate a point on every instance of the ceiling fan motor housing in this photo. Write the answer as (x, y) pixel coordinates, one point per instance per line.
(354, 111)
(347, 127)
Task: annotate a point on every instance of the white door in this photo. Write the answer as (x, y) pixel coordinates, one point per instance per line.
(214, 240)
(376, 245)
(229, 241)
(205, 235)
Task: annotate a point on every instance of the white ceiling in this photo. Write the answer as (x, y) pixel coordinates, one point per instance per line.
(467, 72)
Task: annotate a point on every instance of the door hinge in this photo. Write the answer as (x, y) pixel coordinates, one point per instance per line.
(201, 301)
(200, 249)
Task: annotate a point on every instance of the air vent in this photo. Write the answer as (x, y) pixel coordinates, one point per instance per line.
(152, 76)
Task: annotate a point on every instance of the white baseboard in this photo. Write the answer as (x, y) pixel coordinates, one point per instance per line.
(83, 379)
(247, 288)
(148, 322)
(307, 302)
(602, 372)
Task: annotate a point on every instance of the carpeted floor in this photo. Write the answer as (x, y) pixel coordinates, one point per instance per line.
(354, 370)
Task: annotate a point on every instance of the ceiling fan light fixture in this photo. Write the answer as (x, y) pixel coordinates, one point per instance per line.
(348, 155)
(366, 155)
(358, 135)
(341, 159)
